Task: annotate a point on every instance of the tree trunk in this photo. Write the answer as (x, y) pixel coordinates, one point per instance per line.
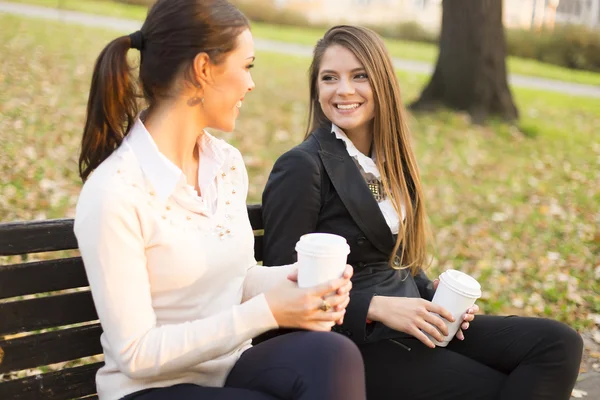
(470, 74)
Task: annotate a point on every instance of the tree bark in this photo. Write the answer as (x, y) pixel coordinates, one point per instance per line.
(470, 74)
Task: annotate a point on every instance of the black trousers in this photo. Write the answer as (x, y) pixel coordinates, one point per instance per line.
(501, 358)
(298, 366)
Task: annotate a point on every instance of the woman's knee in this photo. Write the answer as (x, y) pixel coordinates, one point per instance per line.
(567, 342)
(334, 342)
(328, 348)
(572, 344)
(311, 365)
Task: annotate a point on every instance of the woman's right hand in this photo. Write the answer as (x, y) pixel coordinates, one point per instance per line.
(412, 316)
(295, 307)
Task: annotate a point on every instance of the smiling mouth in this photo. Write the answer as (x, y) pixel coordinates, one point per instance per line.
(347, 107)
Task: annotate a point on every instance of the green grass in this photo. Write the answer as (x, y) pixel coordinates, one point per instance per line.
(308, 36)
(514, 205)
(101, 7)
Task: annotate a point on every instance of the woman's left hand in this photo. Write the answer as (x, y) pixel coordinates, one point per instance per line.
(467, 318)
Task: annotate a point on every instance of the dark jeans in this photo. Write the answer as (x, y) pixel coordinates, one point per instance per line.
(501, 358)
(298, 366)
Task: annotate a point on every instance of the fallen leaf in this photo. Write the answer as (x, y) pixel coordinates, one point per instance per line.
(578, 394)
(595, 318)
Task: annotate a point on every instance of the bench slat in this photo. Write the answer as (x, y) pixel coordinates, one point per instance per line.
(46, 312)
(26, 237)
(50, 348)
(60, 274)
(41, 276)
(66, 384)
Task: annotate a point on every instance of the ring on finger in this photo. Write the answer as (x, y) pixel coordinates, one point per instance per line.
(325, 306)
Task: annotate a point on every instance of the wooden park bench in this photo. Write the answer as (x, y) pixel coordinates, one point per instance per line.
(47, 315)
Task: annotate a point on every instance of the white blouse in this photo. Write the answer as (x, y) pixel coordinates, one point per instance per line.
(368, 165)
(172, 274)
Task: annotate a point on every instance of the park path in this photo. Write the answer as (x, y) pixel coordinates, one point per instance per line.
(128, 25)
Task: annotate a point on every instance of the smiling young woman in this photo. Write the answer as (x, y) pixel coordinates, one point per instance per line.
(355, 175)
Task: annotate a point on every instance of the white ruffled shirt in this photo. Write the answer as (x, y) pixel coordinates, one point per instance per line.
(368, 165)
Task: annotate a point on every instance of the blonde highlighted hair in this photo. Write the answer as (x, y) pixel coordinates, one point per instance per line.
(391, 136)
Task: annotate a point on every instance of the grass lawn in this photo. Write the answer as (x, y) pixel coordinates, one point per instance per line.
(398, 48)
(516, 206)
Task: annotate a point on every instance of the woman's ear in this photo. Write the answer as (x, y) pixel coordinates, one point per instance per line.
(201, 69)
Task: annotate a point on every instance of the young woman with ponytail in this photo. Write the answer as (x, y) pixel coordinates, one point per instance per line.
(163, 230)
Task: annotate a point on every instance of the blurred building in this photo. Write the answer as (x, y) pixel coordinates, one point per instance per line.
(548, 13)
(427, 13)
(585, 12)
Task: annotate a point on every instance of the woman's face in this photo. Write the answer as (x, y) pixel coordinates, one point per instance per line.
(345, 93)
(231, 81)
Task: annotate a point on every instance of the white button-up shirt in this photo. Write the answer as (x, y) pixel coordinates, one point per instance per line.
(368, 165)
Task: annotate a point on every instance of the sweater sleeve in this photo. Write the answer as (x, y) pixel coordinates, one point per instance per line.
(260, 279)
(108, 228)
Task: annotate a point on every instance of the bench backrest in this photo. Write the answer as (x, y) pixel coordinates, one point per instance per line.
(47, 315)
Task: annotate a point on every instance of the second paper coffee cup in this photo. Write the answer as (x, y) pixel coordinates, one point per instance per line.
(321, 258)
(456, 292)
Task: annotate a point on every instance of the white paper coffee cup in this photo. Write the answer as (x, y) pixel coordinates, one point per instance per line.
(321, 258)
(456, 292)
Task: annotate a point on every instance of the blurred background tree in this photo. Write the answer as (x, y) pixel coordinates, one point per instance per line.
(470, 73)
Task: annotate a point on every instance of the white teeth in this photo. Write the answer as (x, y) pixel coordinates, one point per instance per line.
(348, 106)
(239, 104)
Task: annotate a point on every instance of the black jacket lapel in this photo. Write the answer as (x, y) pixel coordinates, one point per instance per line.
(353, 190)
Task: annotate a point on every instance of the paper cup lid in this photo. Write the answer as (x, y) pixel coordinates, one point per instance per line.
(322, 244)
(461, 282)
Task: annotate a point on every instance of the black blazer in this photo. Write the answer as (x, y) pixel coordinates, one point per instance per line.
(317, 187)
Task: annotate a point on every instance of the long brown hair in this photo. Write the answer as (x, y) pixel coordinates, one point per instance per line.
(391, 136)
(174, 32)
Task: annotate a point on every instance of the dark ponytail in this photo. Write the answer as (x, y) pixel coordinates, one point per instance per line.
(174, 32)
(112, 106)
